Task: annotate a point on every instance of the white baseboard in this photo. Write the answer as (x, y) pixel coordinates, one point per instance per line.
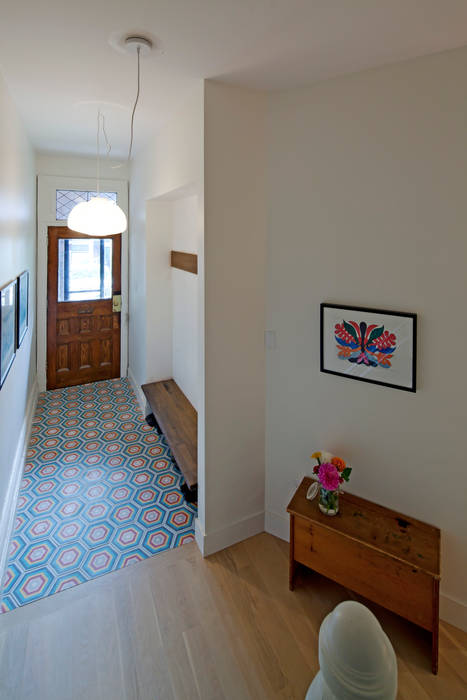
(199, 536)
(138, 391)
(451, 610)
(220, 539)
(277, 525)
(9, 507)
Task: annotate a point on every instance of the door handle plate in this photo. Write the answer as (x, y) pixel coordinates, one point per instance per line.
(117, 303)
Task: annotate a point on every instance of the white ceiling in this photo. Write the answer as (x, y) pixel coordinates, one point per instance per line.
(56, 54)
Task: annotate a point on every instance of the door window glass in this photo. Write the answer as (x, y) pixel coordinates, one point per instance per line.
(84, 269)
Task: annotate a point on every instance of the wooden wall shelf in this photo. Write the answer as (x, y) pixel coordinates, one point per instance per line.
(184, 261)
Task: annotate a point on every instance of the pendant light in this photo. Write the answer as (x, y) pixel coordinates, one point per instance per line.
(97, 217)
(356, 658)
(101, 216)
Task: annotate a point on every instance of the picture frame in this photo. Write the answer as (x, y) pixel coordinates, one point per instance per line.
(8, 301)
(22, 307)
(370, 345)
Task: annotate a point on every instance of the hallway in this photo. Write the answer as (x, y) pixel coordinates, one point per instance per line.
(99, 493)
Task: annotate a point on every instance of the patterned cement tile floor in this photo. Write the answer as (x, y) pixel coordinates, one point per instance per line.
(99, 492)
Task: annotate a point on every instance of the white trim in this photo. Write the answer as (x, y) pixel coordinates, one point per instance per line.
(199, 535)
(138, 391)
(46, 187)
(9, 508)
(453, 611)
(227, 536)
(277, 525)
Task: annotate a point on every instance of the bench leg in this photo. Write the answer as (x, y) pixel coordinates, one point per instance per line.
(292, 576)
(151, 420)
(291, 554)
(435, 628)
(191, 495)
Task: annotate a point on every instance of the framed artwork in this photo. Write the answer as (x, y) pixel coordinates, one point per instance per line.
(370, 345)
(7, 329)
(22, 307)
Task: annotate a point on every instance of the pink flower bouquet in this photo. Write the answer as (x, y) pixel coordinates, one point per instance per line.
(330, 473)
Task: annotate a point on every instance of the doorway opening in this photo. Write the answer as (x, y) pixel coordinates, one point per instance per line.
(83, 308)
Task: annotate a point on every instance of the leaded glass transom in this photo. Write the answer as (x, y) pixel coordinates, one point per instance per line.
(66, 200)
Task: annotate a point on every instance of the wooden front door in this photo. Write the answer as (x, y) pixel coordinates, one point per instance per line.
(83, 332)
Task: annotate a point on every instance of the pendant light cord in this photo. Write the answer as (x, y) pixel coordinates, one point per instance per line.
(101, 124)
(98, 167)
(107, 142)
(138, 50)
(132, 121)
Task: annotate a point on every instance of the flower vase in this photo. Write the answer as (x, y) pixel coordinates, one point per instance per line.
(328, 501)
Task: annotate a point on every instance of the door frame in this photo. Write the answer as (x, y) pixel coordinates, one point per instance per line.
(46, 194)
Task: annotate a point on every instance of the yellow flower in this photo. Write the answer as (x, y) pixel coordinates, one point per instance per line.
(316, 455)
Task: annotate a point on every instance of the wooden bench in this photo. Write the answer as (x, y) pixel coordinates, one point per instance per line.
(384, 556)
(178, 420)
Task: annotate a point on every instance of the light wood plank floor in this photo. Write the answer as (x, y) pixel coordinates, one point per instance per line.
(178, 626)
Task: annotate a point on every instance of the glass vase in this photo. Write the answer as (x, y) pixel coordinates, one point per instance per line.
(328, 501)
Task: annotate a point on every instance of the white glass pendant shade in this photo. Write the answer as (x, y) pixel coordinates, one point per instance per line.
(98, 217)
(356, 658)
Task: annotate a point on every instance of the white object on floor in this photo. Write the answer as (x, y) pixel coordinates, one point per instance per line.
(356, 658)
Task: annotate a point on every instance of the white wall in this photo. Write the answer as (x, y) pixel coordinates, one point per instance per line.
(167, 189)
(368, 206)
(220, 213)
(17, 253)
(69, 165)
(169, 168)
(158, 277)
(234, 257)
(172, 313)
(185, 299)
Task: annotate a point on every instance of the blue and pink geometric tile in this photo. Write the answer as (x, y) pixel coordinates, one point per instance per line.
(99, 492)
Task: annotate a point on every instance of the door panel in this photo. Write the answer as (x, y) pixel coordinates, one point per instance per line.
(83, 332)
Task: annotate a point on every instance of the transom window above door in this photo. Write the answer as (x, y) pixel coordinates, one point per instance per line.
(84, 269)
(66, 200)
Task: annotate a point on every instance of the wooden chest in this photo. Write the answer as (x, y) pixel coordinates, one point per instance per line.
(385, 556)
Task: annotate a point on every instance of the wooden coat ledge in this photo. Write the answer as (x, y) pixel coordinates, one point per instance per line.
(184, 261)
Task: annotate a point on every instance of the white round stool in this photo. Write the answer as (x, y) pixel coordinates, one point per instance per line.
(356, 658)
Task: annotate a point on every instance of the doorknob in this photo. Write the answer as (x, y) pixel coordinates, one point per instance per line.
(116, 303)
